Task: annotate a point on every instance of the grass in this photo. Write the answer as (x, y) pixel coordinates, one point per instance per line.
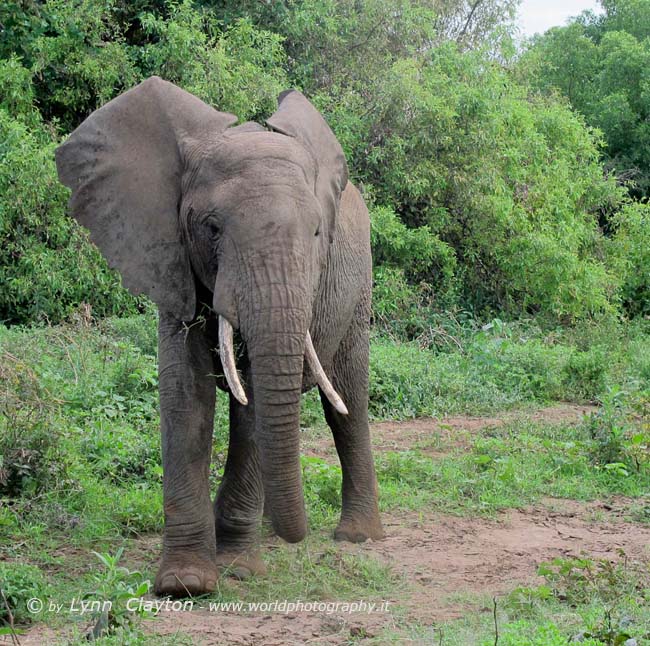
(593, 602)
(80, 468)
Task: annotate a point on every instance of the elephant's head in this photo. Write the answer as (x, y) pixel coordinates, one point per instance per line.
(173, 196)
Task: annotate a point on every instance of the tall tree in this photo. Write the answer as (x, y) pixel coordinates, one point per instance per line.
(601, 63)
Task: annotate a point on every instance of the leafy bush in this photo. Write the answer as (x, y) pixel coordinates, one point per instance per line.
(238, 70)
(47, 265)
(630, 249)
(30, 452)
(500, 191)
(620, 431)
(114, 586)
(398, 308)
(482, 196)
(20, 583)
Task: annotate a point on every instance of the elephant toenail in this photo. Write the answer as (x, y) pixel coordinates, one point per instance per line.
(168, 583)
(191, 582)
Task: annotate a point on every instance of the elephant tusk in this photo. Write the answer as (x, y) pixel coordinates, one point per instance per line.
(227, 355)
(321, 378)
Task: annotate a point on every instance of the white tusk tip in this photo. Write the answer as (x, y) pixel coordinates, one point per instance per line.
(342, 409)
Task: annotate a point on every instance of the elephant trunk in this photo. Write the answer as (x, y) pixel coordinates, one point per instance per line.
(275, 339)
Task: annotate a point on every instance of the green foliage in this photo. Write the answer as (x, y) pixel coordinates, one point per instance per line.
(400, 309)
(91, 390)
(522, 633)
(20, 583)
(30, 459)
(601, 64)
(621, 435)
(114, 586)
(322, 484)
(81, 60)
(238, 70)
(416, 250)
(581, 581)
(484, 196)
(630, 248)
(47, 266)
(494, 367)
(79, 419)
(507, 186)
(334, 41)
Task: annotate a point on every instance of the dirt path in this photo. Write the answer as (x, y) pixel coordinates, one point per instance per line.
(440, 558)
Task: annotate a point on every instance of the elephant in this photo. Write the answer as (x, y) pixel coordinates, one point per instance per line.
(249, 236)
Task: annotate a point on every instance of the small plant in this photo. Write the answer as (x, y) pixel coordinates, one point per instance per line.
(525, 601)
(115, 585)
(19, 583)
(578, 580)
(26, 435)
(621, 441)
(609, 584)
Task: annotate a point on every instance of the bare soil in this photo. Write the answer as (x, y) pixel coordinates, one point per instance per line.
(448, 564)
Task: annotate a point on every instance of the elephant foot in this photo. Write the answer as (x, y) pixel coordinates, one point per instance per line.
(240, 565)
(186, 579)
(359, 530)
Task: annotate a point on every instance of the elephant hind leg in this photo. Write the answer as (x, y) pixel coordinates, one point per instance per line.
(360, 512)
(239, 501)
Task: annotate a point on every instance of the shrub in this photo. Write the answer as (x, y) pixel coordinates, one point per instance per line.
(239, 69)
(630, 250)
(496, 191)
(20, 582)
(30, 455)
(600, 62)
(47, 265)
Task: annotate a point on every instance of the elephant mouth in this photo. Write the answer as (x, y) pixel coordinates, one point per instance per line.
(227, 353)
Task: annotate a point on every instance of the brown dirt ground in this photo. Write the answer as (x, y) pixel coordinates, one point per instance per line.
(448, 564)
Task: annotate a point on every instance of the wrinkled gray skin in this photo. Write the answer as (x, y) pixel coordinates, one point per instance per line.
(263, 226)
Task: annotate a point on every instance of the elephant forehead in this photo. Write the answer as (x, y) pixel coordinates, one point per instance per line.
(263, 154)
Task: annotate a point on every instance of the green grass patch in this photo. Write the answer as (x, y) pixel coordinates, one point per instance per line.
(507, 467)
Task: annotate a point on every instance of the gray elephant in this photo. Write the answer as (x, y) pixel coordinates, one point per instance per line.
(241, 228)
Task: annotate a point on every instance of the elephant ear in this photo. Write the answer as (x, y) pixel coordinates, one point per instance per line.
(125, 165)
(298, 118)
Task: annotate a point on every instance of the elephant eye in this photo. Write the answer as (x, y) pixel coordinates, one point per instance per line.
(213, 227)
(317, 231)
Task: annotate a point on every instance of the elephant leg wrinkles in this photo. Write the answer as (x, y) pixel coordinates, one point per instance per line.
(187, 401)
(360, 512)
(239, 501)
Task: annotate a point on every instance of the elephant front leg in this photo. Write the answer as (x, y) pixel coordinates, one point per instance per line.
(239, 501)
(360, 512)
(187, 400)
